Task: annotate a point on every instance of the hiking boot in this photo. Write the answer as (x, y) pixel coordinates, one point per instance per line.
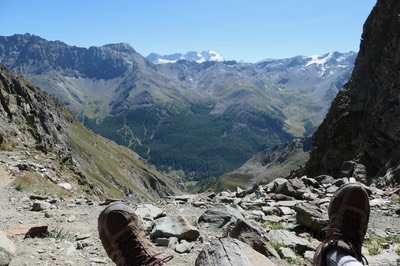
(348, 221)
(123, 237)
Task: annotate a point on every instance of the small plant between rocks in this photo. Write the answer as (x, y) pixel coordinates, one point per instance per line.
(294, 261)
(374, 250)
(374, 243)
(277, 245)
(60, 234)
(274, 225)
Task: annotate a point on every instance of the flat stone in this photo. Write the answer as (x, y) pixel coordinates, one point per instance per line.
(285, 210)
(289, 239)
(230, 252)
(286, 253)
(149, 212)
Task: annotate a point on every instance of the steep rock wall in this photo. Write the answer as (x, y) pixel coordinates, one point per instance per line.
(362, 128)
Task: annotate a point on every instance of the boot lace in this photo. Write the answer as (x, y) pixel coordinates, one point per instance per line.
(134, 252)
(153, 261)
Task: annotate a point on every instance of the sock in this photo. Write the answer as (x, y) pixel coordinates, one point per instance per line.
(339, 257)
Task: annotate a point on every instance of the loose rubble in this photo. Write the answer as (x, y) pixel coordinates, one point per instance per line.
(274, 224)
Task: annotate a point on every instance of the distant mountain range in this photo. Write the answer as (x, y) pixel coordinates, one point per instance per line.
(197, 57)
(203, 119)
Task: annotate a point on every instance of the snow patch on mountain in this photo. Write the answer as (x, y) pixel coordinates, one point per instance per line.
(318, 59)
(199, 57)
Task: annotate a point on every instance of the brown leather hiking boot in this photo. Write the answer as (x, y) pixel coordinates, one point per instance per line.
(348, 221)
(123, 238)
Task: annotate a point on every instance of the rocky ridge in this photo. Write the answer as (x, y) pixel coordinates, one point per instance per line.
(276, 223)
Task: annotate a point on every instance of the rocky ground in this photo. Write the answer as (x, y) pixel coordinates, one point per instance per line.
(279, 219)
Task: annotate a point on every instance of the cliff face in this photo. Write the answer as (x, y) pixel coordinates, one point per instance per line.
(361, 132)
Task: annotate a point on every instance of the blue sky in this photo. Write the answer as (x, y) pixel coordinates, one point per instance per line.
(249, 30)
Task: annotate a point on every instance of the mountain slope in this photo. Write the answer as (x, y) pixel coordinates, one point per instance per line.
(360, 135)
(39, 126)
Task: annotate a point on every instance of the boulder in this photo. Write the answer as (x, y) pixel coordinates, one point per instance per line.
(40, 205)
(293, 188)
(220, 215)
(230, 252)
(177, 226)
(311, 217)
(253, 235)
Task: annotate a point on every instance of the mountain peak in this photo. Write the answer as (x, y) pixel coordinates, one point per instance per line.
(193, 56)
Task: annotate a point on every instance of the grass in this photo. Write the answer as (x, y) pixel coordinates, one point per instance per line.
(27, 181)
(374, 242)
(274, 225)
(294, 261)
(34, 182)
(397, 251)
(60, 234)
(374, 239)
(19, 187)
(277, 245)
(374, 250)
